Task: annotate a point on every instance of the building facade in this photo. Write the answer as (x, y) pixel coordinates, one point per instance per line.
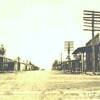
(89, 59)
(85, 54)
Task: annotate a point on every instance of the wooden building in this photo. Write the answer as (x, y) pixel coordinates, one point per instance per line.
(97, 54)
(85, 54)
(10, 65)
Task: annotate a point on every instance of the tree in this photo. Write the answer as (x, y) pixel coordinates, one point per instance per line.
(55, 65)
(2, 50)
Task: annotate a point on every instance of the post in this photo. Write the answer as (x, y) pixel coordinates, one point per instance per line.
(93, 44)
(61, 61)
(69, 47)
(18, 63)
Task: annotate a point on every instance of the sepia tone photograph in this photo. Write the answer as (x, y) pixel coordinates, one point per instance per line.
(49, 50)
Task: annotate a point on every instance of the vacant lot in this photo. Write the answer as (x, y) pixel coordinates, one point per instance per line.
(47, 85)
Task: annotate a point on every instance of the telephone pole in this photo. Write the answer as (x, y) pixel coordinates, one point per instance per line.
(68, 46)
(61, 61)
(92, 23)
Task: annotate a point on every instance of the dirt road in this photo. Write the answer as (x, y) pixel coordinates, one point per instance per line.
(47, 85)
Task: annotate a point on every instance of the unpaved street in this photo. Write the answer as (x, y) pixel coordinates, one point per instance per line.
(47, 85)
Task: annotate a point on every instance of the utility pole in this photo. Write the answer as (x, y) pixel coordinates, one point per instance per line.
(92, 23)
(68, 46)
(18, 63)
(61, 61)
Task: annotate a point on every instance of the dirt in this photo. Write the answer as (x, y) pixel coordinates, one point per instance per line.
(47, 85)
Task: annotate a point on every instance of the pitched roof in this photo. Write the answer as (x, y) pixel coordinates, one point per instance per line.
(82, 50)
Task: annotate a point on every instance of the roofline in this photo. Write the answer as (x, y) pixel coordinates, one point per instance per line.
(98, 34)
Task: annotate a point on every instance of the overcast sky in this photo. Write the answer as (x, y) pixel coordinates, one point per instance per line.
(36, 30)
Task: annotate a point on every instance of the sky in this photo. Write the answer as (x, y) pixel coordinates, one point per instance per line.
(35, 30)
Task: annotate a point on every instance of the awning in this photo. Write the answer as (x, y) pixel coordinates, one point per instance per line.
(82, 50)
